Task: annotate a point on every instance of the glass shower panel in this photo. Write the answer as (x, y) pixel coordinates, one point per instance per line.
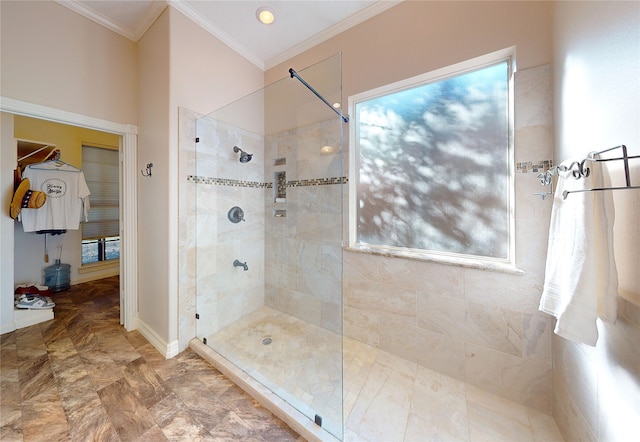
(269, 188)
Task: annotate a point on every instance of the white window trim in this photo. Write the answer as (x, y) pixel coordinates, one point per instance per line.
(486, 263)
(100, 266)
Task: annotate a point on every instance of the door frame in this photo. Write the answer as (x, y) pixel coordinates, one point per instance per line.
(128, 189)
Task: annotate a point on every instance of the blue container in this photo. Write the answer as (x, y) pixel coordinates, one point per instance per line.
(57, 277)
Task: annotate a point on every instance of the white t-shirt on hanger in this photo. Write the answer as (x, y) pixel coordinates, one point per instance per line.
(67, 197)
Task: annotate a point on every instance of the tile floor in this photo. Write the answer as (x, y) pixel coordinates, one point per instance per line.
(386, 398)
(82, 377)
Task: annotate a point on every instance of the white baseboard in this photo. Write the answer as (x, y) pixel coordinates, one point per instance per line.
(168, 350)
(94, 277)
(24, 317)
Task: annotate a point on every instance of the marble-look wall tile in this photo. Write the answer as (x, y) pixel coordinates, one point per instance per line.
(302, 305)
(567, 414)
(303, 252)
(580, 375)
(519, 293)
(492, 316)
(534, 97)
(432, 350)
(619, 363)
(447, 316)
(362, 325)
(436, 280)
(371, 295)
(496, 328)
(526, 381)
(597, 390)
(537, 333)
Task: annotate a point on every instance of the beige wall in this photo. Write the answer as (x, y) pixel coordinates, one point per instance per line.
(154, 212)
(476, 325)
(68, 62)
(205, 75)
(419, 36)
(597, 105)
(180, 66)
(55, 57)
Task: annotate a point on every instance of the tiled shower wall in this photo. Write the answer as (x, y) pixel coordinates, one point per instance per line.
(480, 326)
(297, 267)
(214, 181)
(303, 253)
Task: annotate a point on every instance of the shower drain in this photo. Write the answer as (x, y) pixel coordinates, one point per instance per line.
(267, 341)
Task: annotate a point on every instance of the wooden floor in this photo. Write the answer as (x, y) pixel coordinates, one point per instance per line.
(82, 377)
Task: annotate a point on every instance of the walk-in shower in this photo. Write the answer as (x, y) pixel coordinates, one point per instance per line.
(269, 288)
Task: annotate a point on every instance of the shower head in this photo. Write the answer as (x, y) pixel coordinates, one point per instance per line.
(244, 157)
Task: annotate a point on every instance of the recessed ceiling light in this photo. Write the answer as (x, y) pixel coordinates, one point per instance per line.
(336, 105)
(265, 15)
(326, 150)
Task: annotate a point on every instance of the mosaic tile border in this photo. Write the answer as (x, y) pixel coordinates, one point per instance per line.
(226, 182)
(258, 185)
(534, 167)
(318, 182)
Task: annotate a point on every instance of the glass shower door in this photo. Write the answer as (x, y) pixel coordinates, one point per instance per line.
(269, 198)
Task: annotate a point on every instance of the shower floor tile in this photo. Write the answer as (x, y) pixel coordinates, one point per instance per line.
(385, 398)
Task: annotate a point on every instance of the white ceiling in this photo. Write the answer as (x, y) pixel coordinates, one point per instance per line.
(299, 24)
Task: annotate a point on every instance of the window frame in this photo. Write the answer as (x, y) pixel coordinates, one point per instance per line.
(474, 261)
(102, 262)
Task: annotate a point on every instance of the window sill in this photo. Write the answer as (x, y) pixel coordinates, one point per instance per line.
(100, 266)
(468, 263)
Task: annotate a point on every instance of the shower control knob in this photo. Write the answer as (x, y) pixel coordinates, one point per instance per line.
(235, 215)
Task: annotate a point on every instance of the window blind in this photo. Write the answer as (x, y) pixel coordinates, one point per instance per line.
(101, 173)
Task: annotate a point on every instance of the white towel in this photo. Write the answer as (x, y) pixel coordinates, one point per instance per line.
(581, 280)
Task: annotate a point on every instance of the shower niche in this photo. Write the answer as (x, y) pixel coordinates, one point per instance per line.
(280, 187)
(286, 221)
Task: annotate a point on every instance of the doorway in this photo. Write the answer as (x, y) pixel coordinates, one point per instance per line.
(128, 219)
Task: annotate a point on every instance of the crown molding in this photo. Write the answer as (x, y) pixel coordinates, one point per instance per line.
(158, 6)
(349, 22)
(149, 18)
(132, 34)
(217, 32)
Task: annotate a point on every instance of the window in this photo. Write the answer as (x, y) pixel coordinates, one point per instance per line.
(430, 165)
(100, 236)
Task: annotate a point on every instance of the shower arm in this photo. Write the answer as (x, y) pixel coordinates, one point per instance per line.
(295, 74)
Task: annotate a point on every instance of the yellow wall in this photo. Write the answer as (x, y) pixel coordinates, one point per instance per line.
(68, 139)
(29, 255)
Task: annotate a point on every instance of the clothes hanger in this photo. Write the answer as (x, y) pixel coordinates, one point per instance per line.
(57, 163)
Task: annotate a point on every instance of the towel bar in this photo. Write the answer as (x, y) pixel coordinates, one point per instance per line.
(579, 169)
